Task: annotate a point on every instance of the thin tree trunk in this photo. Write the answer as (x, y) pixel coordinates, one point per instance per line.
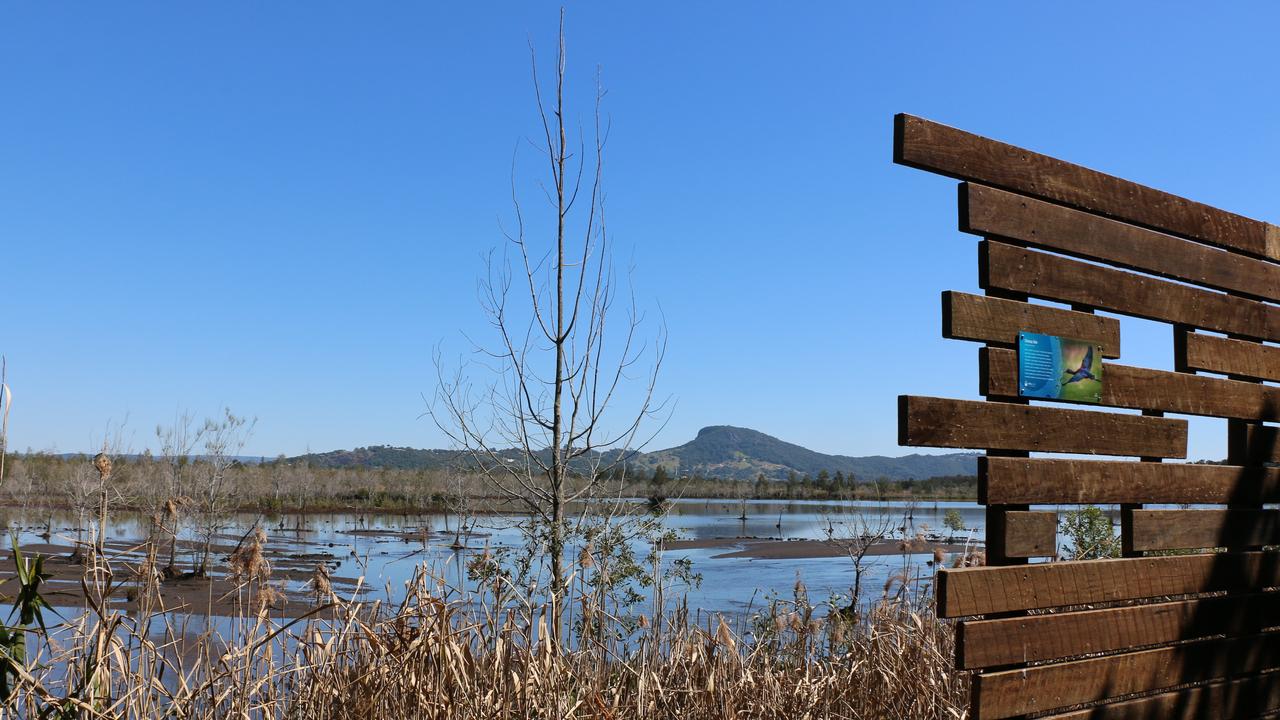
(557, 417)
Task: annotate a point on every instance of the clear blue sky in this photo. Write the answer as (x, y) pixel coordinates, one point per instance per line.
(281, 207)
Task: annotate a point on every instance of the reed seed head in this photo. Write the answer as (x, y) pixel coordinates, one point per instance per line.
(248, 561)
(724, 636)
(103, 465)
(320, 583)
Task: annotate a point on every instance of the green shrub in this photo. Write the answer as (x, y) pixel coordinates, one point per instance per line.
(953, 520)
(1091, 534)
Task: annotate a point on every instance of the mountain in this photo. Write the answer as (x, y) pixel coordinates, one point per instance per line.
(719, 451)
(740, 453)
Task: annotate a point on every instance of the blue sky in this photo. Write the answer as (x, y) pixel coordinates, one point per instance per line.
(283, 207)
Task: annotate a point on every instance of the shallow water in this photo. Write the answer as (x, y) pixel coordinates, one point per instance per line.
(382, 551)
(736, 585)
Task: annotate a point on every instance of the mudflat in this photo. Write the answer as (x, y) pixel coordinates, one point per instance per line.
(775, 549)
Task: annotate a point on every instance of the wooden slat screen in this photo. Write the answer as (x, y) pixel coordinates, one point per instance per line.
(1187, 623)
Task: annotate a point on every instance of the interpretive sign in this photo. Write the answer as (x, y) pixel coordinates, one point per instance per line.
(1058, 368)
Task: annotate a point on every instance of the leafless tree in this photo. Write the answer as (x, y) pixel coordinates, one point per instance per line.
(859, 536)
(81, 488)
(277, 471)
(177, 443)
(224, 439)
(547, 426)
(458, 502)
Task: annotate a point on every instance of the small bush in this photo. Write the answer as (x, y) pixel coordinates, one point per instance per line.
(1091, 533)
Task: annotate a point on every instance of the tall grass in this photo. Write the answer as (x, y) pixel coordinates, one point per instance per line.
(439, 654)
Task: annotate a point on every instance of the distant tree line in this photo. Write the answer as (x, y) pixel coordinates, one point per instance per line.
(797, 486)
(146, 482)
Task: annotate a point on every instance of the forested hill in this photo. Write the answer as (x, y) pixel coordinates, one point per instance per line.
(732, 452)
(382, 456)
(718, 451)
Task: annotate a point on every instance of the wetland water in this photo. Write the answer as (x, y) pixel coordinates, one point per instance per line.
(369, 555)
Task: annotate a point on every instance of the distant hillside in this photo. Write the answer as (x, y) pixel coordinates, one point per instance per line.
(381, 456)
(718, 451)
(733, 452)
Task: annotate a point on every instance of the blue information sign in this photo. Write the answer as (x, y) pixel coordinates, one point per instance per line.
(1059, 368)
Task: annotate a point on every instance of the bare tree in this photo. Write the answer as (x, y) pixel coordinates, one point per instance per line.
(81, 489)
(547, 428)
(860, 535)
(177, 442)
(457, 501)
(224, 439)
(278, 467)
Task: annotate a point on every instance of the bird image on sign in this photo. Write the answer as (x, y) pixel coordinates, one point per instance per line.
(1082, 372)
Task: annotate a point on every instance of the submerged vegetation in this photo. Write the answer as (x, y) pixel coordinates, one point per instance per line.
(443, 653)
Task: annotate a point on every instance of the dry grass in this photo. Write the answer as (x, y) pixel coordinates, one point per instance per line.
(431, 658)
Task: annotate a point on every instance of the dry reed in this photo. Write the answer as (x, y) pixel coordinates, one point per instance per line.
(428, 658)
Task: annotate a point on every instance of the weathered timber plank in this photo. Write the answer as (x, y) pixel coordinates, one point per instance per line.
(1051, 277)
(1013, 481)
(998, 321)
(1182, 529)
(1037, 638)
(985, 590)
(987, 211)
(1029, 534)
(1240, 698)
(941, 422)
(1145, 389)
(1197, 351)
(1252, 444)
(1048, 687)
(927, 145)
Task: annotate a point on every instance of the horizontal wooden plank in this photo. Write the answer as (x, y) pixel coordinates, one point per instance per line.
(1054, 636)
(1044, 481)
(941, 422)
(998, 321)
(928, 145)
(1052, 277)
(987, 211)
(986, 590)
(1182, 529)
(1029, 534)
(1197, 351)
(1146, 389)
(1244, 697)
(1254, 444)
(1048, 687)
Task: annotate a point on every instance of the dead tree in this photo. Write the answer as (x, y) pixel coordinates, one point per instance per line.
(545, 425)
